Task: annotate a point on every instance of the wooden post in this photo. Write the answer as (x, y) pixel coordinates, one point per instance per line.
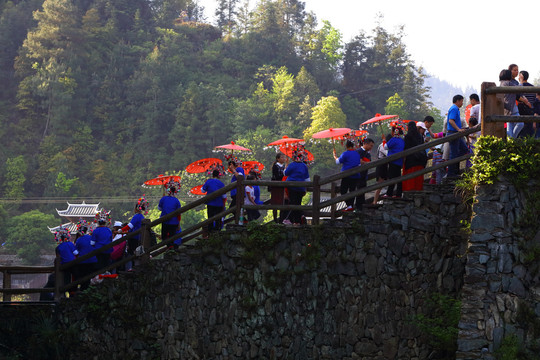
(7, 285)
(145, 238)
(492, 104)
(58, 278)
(333, 206)
(316, 201)
(239, 198)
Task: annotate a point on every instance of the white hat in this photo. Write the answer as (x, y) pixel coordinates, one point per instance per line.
(118, 223)
(421, 124)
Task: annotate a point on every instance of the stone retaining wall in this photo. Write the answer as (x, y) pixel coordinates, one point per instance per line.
(501, 294)
(344, 290)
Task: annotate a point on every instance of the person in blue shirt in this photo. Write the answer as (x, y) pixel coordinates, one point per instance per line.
(296, 171)
(102, 236)
(217, 205)
(395, 145)
(458, 147)
(84, 246)
(134, 225)
(66, 251)
(236, 169)
(256, 188)
(167, 205)
(349, 159)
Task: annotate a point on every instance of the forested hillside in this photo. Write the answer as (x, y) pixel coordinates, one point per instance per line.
(99, 95)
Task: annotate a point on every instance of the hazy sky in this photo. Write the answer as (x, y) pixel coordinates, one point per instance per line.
(464, 43)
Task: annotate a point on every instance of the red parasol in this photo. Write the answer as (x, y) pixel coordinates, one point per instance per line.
(202, 165)
(162, 180)
(197, 190)
(400, 122)
(285, 140)
(331, 133)
(468, 113)
(250, 165)
(232, 146)
(353, 133)
(289, 152)
(378, 118)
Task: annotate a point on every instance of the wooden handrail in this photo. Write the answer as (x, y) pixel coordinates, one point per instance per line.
(513, 90)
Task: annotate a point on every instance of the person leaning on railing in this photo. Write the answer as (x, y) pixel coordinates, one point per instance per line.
(297, 171)
(394, 146)
(277, 196)
(349, 159)
(458, 147)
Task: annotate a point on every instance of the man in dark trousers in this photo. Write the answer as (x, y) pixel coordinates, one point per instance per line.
(365, 157)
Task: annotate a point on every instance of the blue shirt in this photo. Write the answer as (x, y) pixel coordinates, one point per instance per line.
(84, 247)
(102, 236)
(135, 224)
(240, 171)
(67, 252)
(167, 205)
(209, 187)
(350, 159)
(453, 113)
(395, 145)
(257, 194)
(297, 171)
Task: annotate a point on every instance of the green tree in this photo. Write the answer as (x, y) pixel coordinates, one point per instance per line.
(15, 177)
(63, 184)
(396, 106)
(331, 45)
(326, 114)
(28, 236)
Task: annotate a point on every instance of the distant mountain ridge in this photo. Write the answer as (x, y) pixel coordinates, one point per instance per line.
(442, 92)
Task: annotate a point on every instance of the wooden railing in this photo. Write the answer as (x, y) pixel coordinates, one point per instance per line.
(492, 105)
(316, 186)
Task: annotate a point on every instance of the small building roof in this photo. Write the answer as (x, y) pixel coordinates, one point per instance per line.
(76, 211)
(72, 227)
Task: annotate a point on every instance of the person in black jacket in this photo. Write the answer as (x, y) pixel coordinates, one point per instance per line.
(277, 196)
(416, 161)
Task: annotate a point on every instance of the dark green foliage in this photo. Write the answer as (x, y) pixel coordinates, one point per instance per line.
(31, 334)
(27, 235)
(512, 348)
(261, 240)
(439, 323)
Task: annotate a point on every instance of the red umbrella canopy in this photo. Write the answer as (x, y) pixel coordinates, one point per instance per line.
(197, 190)
(202, 165)
(352, 134)
(289, 152)
(400, 123)
(162, 180)
(252, 165)
(331, 133)
(378, 118)
(285, 140)
(232, 146)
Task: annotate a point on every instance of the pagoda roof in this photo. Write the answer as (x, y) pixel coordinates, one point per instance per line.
(70, 226)
(79, 210)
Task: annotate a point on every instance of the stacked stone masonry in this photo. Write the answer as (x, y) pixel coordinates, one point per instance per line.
(347, 289)
(499, 283)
